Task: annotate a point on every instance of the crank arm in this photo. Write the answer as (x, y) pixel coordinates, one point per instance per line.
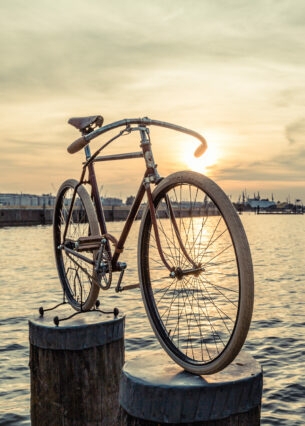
(121, 266)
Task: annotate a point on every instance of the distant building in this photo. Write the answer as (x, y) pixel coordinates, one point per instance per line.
(264, 204)
(27, 200)
(111, 201)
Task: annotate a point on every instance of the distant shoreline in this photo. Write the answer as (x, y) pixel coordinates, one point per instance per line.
(33, 216)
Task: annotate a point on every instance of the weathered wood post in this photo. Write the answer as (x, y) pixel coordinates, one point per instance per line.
(154, 391)
(75, 370)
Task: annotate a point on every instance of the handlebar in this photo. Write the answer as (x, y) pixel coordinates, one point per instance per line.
(81, 142)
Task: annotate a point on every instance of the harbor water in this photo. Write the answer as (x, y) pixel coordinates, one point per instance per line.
(28, 280)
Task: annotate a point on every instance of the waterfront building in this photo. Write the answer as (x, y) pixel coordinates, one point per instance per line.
(26, 200)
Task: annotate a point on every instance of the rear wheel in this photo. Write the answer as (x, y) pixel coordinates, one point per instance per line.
(200, 304)
(78, 277)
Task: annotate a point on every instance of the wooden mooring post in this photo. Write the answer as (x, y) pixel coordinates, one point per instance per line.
(75, 370)
(155, 392)
(78, 378)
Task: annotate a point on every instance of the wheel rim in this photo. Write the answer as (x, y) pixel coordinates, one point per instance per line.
(77, 276)
(194, 315)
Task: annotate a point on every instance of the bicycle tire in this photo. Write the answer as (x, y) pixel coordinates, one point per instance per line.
(200, 318)
(77, 277)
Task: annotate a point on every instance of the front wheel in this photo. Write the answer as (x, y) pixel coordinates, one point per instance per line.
(198, 289)
(72, 220)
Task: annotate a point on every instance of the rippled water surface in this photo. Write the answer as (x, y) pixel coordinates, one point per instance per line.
(28, 279)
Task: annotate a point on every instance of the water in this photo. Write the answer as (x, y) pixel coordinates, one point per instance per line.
(276, 339)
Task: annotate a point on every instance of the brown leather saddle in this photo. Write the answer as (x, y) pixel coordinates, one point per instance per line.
(86, 124)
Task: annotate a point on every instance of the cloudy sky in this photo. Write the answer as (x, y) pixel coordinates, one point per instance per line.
(234, 70)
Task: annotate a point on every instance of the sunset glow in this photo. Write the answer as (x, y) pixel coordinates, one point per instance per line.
(238, 80)
(205, 162)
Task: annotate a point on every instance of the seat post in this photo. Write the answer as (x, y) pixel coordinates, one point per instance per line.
(87, 152)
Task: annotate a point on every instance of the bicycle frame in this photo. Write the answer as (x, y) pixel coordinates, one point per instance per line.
(194, 262)
(151, 175)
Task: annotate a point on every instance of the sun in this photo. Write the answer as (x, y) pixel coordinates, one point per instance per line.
(207, 160)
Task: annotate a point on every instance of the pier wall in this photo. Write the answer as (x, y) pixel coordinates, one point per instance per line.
(40, 216)
(25, 217)
(44, 216)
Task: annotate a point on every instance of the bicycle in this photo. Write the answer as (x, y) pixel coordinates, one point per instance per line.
(194, 261)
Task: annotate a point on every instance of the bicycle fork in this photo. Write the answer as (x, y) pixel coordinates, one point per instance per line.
(175, 272)
(152, 176)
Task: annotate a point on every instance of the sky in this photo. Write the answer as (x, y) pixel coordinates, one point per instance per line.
(233, 70)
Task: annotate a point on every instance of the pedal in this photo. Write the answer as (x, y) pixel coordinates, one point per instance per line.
(92, 242)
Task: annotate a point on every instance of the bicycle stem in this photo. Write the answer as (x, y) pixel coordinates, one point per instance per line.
(152, 174)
